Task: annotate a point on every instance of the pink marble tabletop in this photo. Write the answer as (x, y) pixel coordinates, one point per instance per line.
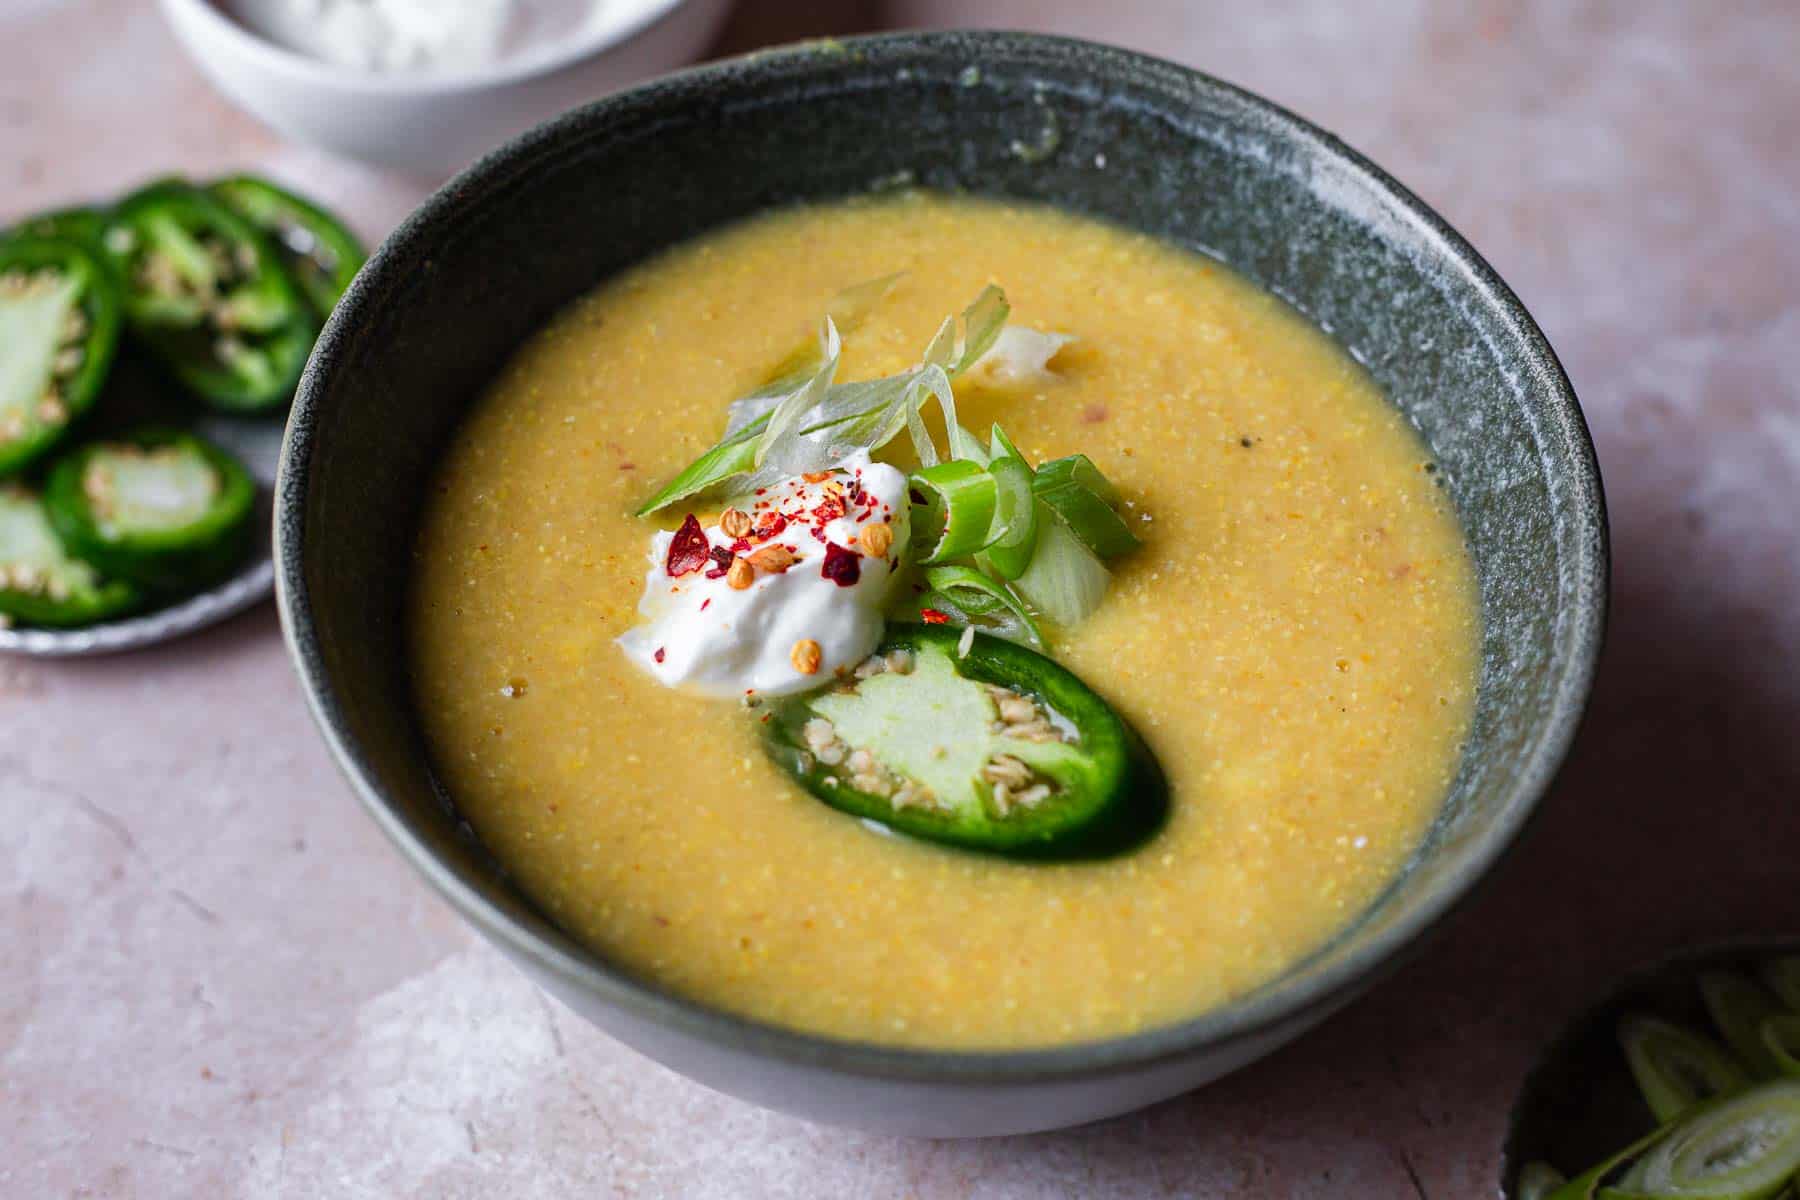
(217, 980)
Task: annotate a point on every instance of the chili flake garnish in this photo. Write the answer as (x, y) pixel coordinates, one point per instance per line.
(659, 654)
(932, 616)
(769, 524)
(688, 549)
(721, 558)
(843, 567)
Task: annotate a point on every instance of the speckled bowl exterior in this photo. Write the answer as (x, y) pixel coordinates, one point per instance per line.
(1090, 129)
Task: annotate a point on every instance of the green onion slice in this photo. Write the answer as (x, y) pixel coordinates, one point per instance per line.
(1013, 537)
(958, 510)
(999, 444)
(1082, 498)
(989, 606)
(1781, 1036)
(1064, 580)
(1675, 1068)
(1744, 1147)
(1739, 1007)
(1537, 1180)
(1590, 1184)
(1783, 977)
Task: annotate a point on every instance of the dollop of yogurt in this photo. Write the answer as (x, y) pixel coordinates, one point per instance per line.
(704, 634)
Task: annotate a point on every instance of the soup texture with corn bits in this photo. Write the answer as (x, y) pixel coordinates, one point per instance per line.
(1296, 640)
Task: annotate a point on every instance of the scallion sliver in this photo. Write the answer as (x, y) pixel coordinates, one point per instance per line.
(958, 515)
(1082, 499)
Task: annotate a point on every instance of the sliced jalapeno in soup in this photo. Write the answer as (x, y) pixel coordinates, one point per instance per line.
(320, 252)
(972, 741)
(210, 297)
(59, 330)
(166, 510)
(40, 583)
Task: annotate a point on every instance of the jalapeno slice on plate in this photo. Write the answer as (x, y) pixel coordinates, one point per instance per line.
(166, 510)
(210, 297)
(320, 252)
(40, 583)
(59, 330)
(972, 741)
(82, 226)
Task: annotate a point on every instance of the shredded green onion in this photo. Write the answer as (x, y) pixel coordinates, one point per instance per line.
(981, 601)
(809, 392)
(1082, 498)
(1676, 1068)
(1012, 540)
(959, 510)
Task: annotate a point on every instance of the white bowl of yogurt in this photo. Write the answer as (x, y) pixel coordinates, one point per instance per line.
(430, 85)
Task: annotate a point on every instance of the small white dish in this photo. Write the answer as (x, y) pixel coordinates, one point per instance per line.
(438, 122)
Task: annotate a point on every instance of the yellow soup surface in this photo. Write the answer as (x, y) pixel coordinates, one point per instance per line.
(1296, 639)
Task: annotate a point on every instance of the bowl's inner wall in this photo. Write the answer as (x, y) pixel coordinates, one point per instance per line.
(1153, 148)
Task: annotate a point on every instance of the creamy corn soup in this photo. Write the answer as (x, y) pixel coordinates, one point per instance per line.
(1295, 640)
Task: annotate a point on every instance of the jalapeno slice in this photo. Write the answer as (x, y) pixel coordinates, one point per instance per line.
(167, 510)
(82, 226)
(321, 253)
(209, 296)
(976, 742)
(59, 330)
(40, 583)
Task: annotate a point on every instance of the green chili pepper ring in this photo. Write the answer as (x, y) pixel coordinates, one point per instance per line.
(59, 331)
(322, 254)
(40, 583)
(1108, 792)
(167, 510)
(209, 296)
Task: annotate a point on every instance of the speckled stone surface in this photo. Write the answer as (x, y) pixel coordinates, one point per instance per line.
(219, 980)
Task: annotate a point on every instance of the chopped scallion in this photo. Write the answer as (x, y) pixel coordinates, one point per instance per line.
(1013, 538)
(983, 601)
(958, 510)
(1082, 498)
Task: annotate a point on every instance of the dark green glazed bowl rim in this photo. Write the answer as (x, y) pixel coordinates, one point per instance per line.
(1284, 1005)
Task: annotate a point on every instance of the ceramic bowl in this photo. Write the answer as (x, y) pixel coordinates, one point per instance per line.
(1094, 130)
(1579, 1104)
(438, 123)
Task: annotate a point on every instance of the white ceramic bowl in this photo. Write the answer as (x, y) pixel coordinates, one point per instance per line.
(440, 122)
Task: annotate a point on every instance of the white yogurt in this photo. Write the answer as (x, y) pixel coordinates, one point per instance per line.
(415, 35)
(707, 636)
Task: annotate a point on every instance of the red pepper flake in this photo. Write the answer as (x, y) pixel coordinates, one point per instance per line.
(829, 509)
(704, 603)
(659, 654)
(843, 567)
(688, 549)
(740, 546)
(721, 562)
(932, 616)
(770, 524)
